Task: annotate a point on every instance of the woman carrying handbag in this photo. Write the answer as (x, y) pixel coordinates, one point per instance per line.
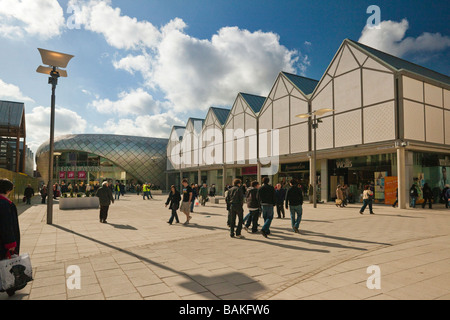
(9, 227)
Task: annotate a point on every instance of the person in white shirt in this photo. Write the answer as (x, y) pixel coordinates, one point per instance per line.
(367, 200)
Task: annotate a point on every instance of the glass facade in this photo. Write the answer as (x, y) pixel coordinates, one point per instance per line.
(375, 170)
(81, 167)
(431, 168)
(101, 157)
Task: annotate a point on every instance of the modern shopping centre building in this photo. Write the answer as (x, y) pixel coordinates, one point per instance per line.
(389, 126)
(94, 158)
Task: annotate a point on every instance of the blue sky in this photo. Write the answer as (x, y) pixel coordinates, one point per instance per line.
(142, 66)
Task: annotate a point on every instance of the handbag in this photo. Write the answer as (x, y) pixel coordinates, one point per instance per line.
(338, 201)
(15, 272)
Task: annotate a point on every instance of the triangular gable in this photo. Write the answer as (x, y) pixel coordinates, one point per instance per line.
(397, 64)
(254, 102)
(305, 85)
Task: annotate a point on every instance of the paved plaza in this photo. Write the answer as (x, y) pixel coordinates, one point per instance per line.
(137, 255)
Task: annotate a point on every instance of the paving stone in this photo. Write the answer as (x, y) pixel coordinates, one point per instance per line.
(139, 256)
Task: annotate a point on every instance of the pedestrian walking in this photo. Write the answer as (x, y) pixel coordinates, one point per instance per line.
(294, 202)
(345, 193)
(28, 193)
(212, 190)
(367, 200)
(280, 194)
(105, 196)
(267, 198)
(9, 225)
(204, 194)
(117, 191)
(236, 200)
(253, 206)
(414, 194)
(149, 191)
(88, 190)
(225, 194)
(145, 191)
(339, 196)
(194, 196)
(188, 198)
(311, 193)
(447, 196)
(44, 194)
(138, 189)
(173, 201)
(396, 199)
(121, 189)
(427, 196)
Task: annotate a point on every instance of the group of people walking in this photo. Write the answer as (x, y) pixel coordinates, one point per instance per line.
(261, 200)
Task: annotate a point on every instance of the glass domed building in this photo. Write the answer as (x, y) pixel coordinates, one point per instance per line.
(92, 158)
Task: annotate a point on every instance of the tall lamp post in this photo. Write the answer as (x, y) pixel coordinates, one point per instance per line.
(315, 124)
(54, 61)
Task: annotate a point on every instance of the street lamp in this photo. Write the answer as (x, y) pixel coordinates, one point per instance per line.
(55, 61)
(315, 124)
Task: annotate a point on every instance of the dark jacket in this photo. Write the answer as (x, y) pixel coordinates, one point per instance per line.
(252, 198)
(174, 200)
(281, 195)
(105, 196)
(294, 197)
(29, 192)
(235, 196)
(266, 195)
(427, 193)
(9, 227)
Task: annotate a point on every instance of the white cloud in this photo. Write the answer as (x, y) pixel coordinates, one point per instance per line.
(43, 18)
(38, 125)
(195, 74)
(120, 31)
(192, 73)
(12, 92)
(135, 102)
(132, 64)
(390, 38)
(157, 126)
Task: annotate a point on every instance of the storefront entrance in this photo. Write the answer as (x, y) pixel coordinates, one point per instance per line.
(355, 173)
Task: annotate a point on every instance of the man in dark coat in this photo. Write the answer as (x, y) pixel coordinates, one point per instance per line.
(267, 198)
(28, 193)
(235, 198)
(106, 197)
(294, 202)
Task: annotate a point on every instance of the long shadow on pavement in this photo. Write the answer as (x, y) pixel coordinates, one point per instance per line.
(209, 287)
(318, 234)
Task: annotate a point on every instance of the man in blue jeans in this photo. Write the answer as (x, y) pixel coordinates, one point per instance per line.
(267, 198)
(117, 191)
(294, 200)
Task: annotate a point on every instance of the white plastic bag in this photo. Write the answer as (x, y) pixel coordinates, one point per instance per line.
(16, 272)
